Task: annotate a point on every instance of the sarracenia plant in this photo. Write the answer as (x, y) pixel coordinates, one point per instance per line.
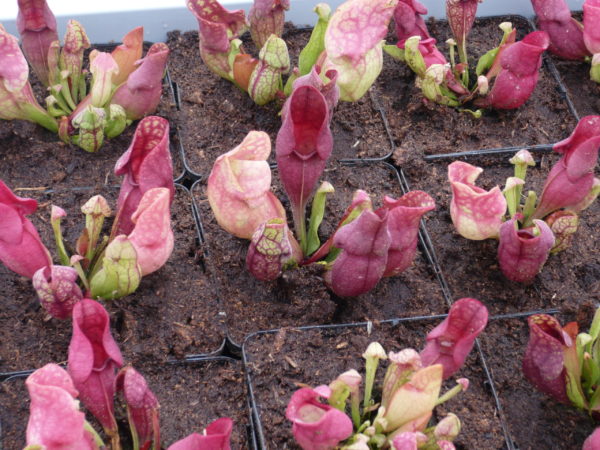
(504, 77)
(123, 85)
(367, 245)
(95, 374)
(400, 418)
(536, 228)
(563, 363)
(106, 267)
(569, 38)
(349, 41)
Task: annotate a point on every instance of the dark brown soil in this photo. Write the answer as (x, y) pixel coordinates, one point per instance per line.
(174, 311)
(419, 128)
(584, 92)
(300, 296)
(277, 363)
(569, 279)
(190, 397)
(215, 115)
(535, 420)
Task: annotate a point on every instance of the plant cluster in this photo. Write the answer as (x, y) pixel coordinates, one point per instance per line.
(512, 67)
(367, 245)
(537, 228)
(55, 420)
(349, 41)
(569, 38)
(123, 86)
(410, 392)
(139, 243)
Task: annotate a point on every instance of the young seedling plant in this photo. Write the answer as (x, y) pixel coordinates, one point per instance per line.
(536, 228)
(84, 106)
(109, 267)
(398, 417)
(503, 78)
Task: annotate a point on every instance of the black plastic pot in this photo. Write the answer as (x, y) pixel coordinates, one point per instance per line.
(192, 393)
(238, 287)
(273, 375)
(144, 323)
(393, 95)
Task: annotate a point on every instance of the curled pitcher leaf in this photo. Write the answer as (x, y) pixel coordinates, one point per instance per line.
(566, 33)
(37, 28)
(96, 209)
(152, 236)
(21, 249)
(591, 33)
(543, 363)
(353, 42)
(304, 144)
(461, 15)
(523, 252)
(266, 17)
(57, 289)
(140, 94)
(404, 216)
(325, 83)
(572, 177)
(361, 264)
(120, 273)
(411, 404)
(476, 213)
(89, 124)
(71, 61)
(270, 250)
(127, 54)
(145, 165)
(16, 96)
(563, 224)
(518, 77)
(103, 67)
(216, 436)
(55, 420)
(316, 44)
(409, 21)
(265, 80)
(451, 341)
(316, 425)
(142, 408)
(93, 358)
(239, 184)
(219, 28)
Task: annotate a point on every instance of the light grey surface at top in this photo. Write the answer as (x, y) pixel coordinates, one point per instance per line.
(105, 26)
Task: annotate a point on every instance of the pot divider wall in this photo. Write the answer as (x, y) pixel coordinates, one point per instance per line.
(582, 92)
(300, 297)
(191, 393)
